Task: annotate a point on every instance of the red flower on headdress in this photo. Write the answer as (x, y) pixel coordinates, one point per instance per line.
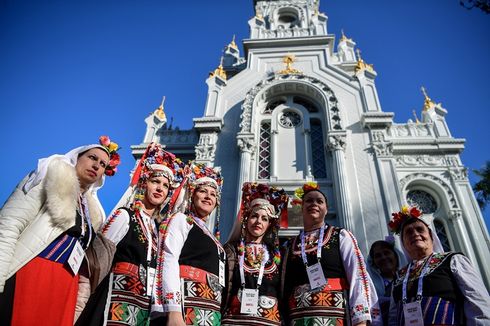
(400, 217)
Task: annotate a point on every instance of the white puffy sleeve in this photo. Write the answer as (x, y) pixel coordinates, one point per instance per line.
(363, 301)
(167, 294)
(117, 225)
(476, 298)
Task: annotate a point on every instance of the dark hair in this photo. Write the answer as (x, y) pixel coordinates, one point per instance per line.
(383, 244)
(318, 190)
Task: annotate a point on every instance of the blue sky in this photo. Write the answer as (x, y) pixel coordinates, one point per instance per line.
(73, 70)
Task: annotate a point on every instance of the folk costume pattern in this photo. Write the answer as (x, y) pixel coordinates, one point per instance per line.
(344, 272)
(268, 307)
(129, 303)
(442, 301)
(190, 248)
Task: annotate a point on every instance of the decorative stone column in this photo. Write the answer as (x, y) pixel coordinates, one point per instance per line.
(455, 216)
(336, 143)
(246, 145)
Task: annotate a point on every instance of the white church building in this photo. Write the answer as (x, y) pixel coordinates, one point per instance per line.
(299, 105)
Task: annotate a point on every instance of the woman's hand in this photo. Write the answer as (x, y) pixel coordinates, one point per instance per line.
(362, 323)
(175, 319)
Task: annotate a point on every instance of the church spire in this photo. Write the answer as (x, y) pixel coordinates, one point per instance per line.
(219, 71)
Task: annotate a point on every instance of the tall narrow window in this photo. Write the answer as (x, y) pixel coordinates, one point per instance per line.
(317, 150)
(265, 150)
(441, 233)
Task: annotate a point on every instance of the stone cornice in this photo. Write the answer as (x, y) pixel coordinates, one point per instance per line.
(208, 124)
(377, 120)
(424, 146)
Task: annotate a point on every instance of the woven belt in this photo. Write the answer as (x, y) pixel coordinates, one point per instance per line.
(126, 268)
(193, 273)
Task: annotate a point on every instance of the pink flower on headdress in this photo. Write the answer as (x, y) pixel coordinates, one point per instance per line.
(104, 141)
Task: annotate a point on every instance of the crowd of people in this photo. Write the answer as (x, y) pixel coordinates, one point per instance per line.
(155, 260)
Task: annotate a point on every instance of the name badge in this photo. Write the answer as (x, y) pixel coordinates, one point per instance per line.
(250, 301)
(150, 280)
(222, 273)
(413, 314)
(315, 276)
(76, 258)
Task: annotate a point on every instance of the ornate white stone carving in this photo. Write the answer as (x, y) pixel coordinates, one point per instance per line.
(380, 145)
(206, 148)
(455, 215)
(458, 174)
(432, 179)
(336, 142)
(326, 94)
(426, 160)
(246, 144)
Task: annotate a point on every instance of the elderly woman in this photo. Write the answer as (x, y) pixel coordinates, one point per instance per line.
(325, 280)
(45, 227)
(383, 264)
(124, 298)
(191, 261)
(252, 289)
(436, 288)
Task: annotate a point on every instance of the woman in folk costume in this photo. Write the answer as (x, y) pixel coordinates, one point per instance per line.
(251, 295)
(124, 296)
(436, 287)
(325, 277)
(191, 260)
(383, 263)
(45, 227)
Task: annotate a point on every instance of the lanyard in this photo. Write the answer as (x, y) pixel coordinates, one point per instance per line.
(148, 233)
(85, 215)
(419, 285)
(319, 245)
(265, 258)
(205, 229)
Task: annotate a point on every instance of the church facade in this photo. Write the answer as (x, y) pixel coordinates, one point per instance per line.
(300, 106)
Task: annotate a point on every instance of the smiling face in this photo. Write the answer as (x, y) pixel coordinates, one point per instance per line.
(314, 209)
(204, 200)
(417, 240)
(257, 225)
(91, 166)
(157, 188)
(384, 258)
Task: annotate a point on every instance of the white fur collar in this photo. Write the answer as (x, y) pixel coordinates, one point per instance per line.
(62, 188)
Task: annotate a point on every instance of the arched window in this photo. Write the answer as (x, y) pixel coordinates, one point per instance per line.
(317, 149)
(442, 234)
(423, 200)
(265, 150)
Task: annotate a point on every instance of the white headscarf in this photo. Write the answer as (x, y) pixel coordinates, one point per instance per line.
(436, 242)
(70, 158)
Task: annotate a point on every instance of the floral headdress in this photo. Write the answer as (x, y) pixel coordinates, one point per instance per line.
(262, 196)
(399, 218)
(199, 175)
(156, 162)
(299, 193)
(114, 158)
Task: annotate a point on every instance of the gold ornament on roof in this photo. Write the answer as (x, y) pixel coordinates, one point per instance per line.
(361, 65)
(219, 71)
(428, 103)
(159, 112)
(343, 37)
(233, 44)
(288, 61)
(258, 15)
